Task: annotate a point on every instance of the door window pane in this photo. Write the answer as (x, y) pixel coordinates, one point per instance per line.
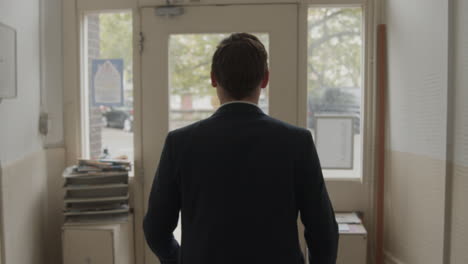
(108, 86)
(335, 83)
(192, 97)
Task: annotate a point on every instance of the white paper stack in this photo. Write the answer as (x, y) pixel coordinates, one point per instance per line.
(96, 189)
(349, 223)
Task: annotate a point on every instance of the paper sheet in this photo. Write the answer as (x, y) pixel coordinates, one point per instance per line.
(347, 218)
(343, 227)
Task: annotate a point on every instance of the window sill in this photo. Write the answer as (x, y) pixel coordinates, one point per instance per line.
(343, 179)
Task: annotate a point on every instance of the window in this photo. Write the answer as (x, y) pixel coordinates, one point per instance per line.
(192, 97)
(335, 87)
(107, 108)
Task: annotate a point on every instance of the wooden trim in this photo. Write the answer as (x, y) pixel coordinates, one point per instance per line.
(71, 80)
(381, 107)
(151, 3)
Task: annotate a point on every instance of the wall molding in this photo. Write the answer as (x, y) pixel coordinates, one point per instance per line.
(389, 258)
(2, 237)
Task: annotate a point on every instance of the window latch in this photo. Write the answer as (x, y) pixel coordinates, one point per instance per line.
(141, 42)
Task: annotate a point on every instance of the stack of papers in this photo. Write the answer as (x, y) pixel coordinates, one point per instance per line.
(348, 222)
(96, 188)
(85, 165)
(347, 218)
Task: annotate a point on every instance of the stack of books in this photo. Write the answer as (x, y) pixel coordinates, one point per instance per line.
(96, 189)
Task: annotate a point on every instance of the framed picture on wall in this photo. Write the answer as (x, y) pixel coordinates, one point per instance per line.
(8, 74)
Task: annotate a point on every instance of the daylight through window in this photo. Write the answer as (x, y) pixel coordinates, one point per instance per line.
(335, 88)
(108, 86)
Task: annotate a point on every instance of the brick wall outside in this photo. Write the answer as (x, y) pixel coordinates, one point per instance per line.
(95, 117)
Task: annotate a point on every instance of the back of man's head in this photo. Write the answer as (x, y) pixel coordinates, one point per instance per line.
(240, 64)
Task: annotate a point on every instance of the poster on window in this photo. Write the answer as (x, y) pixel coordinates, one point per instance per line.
(107, 82)
(8, 80)
(334, 140)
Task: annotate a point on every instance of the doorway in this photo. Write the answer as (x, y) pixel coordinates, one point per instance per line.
(171, 59)
(175, 67)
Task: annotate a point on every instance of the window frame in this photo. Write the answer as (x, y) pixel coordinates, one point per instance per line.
(84, 77)
(368, 93)
(74, 11)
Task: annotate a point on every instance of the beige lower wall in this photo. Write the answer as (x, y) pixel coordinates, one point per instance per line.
(459, 170)
(348, 196)
(2, 249)
(414, 208)
(31, 202)
(390, 259)
(24, 196)
(459, 216)
(53, 233)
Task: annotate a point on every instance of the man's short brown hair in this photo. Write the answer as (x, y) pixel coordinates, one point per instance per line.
(239, 64)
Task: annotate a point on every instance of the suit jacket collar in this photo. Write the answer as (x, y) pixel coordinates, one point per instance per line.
(238, 107)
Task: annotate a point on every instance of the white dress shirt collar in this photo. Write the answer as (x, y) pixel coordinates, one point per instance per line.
(238, 101)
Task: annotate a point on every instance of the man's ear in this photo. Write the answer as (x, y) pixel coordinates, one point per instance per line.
(266, 79)
(214, 83)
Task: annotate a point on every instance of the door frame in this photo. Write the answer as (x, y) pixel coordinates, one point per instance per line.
(73, 10)
(203, 19)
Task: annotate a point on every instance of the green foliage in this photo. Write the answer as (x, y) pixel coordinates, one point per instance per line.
(116, 39)
(334, 48)
(190, 62)
(334, 51)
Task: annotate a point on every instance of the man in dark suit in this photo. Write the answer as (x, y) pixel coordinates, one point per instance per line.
(240, 178)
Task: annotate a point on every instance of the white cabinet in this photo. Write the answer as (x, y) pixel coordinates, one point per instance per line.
(352, 248)
(98, 242)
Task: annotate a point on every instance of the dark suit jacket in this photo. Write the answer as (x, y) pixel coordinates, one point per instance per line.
(240, 178)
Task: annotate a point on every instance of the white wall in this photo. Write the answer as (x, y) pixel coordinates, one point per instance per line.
(427, 163)
(417, 40)
(416, 155)
(20, 142)
(31, 177)
(51, 70)
(19, 117)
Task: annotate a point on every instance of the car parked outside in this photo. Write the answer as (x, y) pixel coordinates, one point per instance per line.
(335, 101)
(118, 117)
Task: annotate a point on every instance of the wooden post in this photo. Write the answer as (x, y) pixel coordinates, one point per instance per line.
(381, 115)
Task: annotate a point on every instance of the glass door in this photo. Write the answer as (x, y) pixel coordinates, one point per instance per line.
(176, 62)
